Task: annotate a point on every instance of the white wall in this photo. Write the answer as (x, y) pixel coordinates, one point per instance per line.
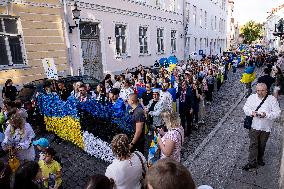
(196, 31)
(271, 40)
(133, 14)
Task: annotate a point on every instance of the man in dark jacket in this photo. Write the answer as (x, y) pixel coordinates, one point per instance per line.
(267, 79)
(185, 107)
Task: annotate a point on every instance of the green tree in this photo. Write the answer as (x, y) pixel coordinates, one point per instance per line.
(251, 31)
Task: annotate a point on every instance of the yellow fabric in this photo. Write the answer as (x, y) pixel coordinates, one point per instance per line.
(171, 67)
(248, 78)
(53, 167)
(66, 128)
(174, 105)
(14, 163)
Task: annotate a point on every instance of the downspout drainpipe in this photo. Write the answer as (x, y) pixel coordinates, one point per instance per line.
(69, 53)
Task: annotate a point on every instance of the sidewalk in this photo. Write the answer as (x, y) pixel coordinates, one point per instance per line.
(219, 159)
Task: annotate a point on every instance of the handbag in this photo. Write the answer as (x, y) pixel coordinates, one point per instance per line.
(13, 161)
(248, 119)
(143, 170)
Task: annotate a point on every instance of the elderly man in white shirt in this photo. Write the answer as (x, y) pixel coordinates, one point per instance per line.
(261, 124)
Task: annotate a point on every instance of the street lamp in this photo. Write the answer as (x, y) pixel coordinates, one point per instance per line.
(76, 18)
(279, 29)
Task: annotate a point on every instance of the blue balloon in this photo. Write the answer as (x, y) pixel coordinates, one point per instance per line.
(172, 60)
(163, 61)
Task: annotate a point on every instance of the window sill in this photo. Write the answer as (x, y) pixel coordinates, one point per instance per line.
(22, 66)
(140, 55)
(122, 56)
(160, 53)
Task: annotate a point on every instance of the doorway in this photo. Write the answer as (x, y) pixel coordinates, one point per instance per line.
(91, 49)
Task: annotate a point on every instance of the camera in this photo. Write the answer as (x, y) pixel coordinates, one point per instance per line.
(258, 115)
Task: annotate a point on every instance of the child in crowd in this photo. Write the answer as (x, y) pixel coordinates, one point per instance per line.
(51, 170)
(41, 145)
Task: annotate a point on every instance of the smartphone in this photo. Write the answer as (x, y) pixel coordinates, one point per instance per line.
(258, 115)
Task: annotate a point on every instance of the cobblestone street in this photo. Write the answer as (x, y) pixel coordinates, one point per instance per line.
(218, 160)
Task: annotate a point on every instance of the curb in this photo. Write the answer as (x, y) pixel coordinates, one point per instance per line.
(200, 148)
(281, 179)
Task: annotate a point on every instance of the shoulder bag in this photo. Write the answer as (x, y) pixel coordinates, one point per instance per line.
(143, 170)
(248, 119)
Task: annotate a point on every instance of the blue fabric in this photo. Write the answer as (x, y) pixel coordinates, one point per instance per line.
(140, 91)
(249, 69)
(173, 93)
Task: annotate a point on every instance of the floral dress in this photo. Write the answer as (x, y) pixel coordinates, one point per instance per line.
(176, 135)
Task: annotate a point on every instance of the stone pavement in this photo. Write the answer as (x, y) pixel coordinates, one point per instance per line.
(218, 160)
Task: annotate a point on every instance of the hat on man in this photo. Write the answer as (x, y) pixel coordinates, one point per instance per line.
(42, 142)
(187, 72)
(156, 91)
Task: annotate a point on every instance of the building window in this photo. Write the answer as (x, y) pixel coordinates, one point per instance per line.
(173, 5)
(143, 40)
(10, 43)
(187, 11)
(215, 22)
(200, 44)
(121, 39)
(195, 44)
(205, 19)
(160, 3)
(224, 4)
(212, 27)
(160, 40)
(194, 15)
(173, 41)
(200, 18)
(141, 1)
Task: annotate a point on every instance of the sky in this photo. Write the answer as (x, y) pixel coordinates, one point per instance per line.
(256, 10)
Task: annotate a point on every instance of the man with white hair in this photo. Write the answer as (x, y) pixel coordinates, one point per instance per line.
(261, 123)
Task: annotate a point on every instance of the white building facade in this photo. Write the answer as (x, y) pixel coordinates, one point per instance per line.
(205, 27)
(271, 41)
(117, 34)
(233, 29)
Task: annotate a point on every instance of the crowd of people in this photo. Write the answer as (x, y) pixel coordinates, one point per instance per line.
(145, 94)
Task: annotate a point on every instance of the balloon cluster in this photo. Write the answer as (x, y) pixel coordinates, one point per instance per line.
(168, 63)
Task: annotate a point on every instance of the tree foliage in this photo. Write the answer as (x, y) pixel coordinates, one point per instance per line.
(251, 31)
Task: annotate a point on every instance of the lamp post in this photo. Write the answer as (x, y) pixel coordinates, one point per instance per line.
(76, 18)
(279, 29)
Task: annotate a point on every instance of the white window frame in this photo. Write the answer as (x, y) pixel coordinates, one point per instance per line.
(6, 36)
(160, 39)
(173, 41)
(125, 54)
(144, 39)
(194, 15)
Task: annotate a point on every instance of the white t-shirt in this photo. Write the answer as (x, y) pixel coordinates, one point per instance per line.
(127, 173)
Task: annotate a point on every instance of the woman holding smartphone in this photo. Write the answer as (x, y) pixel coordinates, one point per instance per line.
(172, 140)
